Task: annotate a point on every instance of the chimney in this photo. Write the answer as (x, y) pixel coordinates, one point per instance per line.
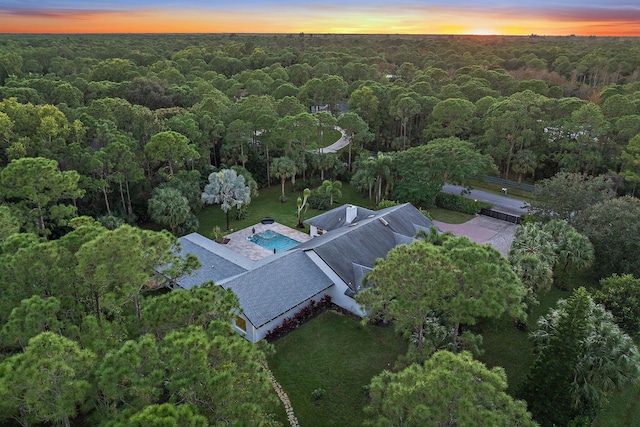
(352, 212)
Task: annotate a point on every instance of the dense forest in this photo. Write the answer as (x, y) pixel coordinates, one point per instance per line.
(102, 133)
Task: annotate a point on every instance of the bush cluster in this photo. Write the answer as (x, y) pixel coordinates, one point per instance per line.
(306, 313)
(386, 204)
(457, 203)
(318, 200)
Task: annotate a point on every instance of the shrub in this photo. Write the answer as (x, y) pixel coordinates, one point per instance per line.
(425, 213)
(189, 226)
(457, 203)
(317, 394)
(217, 235)
(110, 222)
(318, 200)
(241, 213)
(386, 204)
(304, 314)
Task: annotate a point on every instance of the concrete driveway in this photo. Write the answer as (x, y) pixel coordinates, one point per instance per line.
(483, 229)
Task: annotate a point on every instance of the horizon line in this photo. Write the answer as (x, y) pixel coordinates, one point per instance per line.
(531, 35)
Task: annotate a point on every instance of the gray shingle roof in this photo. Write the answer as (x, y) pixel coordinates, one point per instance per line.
(217, 262)
(359, 273)
(366, 240)
(273, 285)
(277, 285)
(335, 218)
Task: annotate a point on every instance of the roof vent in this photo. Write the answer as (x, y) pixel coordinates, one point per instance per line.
(371, 216)
(383, 221)
(352, 224)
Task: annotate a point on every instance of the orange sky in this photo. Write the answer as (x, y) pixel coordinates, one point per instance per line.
(329, 16)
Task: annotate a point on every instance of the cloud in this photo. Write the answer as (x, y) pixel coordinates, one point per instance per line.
(340, 16)
(53, 13)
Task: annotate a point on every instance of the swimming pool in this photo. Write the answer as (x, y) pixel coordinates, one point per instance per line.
(271, 240)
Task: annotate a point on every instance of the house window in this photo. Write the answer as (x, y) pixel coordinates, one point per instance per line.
(241, 324)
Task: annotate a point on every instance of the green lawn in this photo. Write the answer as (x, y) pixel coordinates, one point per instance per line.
(330, 137)
(267, 205)
(339, 355)
(623, 410)
(450, 217)
(505, 345)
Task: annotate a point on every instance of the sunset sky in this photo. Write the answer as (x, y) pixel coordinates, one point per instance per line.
(542, 17)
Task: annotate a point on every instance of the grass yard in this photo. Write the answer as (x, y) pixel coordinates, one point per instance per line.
(623, 410)
(505, 345)
(450, 217)
(267, 205)
(339, 355)
(330, 137)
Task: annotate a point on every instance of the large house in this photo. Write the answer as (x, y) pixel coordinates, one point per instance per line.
(346, 242)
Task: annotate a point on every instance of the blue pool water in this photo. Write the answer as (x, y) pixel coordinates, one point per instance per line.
(271, 240)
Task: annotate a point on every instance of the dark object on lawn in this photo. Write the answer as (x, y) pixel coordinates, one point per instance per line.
(267, 221)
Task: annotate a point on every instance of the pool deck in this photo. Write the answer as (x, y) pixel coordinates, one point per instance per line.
(239, 241)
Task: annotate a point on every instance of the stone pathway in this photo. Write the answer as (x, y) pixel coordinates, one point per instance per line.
(282, 395)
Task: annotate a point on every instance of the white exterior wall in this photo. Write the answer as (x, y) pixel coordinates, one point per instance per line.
(249, 333)
(351, 213)
(339, 287)
(259, 333)
(314, 231)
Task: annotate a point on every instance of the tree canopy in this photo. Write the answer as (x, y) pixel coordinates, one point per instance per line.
(582, 357)
(94, 127)
(448, 389)
(455, 283)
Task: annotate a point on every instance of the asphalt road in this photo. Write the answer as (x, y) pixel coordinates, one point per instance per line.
(500, 203)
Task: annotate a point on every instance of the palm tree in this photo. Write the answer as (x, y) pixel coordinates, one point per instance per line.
(532, 239)
(574, 250)
(383, 173)
(301, 203)
(534, 273)
(228, 189)
(169, 207)
(365, 175)
(331, 189)
(283, 167)
(434, 236)
(325, 162)
(404, 108)
(524, 162)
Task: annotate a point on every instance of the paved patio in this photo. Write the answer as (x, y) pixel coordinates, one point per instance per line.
(483, 229)
(239, 241)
